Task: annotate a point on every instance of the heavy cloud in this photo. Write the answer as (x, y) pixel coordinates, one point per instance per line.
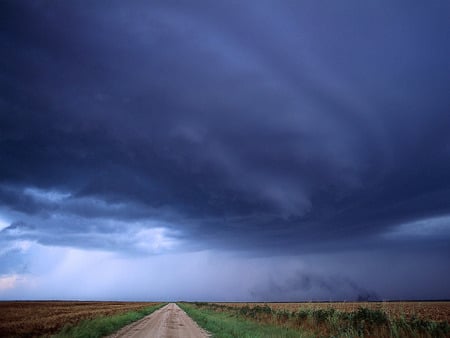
(266, 127)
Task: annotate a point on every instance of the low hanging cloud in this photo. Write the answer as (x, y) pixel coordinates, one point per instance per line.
(305, 286)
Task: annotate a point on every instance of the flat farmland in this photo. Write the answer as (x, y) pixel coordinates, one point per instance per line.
(435, 311)
(43, 318)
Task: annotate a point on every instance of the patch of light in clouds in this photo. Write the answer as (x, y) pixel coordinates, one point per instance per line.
(3, 223)
(429, 227)
(15, 281)
(46, 195)
(154, 240)
(8, 282)
(20, 245)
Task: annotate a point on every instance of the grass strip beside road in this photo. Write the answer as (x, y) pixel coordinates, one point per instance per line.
(105, 325)
(227, 325)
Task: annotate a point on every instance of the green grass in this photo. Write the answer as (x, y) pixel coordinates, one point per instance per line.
(102, 326)
(227, 325)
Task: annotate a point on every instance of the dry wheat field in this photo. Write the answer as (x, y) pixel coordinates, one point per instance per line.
(41, 318)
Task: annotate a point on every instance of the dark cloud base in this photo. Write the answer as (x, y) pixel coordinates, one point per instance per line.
(258, 127)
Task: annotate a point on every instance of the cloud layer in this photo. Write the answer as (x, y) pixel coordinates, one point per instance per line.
(263, 128)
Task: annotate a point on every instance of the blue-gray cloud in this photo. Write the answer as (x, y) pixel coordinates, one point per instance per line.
(259, 126)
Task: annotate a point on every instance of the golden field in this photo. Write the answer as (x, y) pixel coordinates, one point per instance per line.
(42, 318)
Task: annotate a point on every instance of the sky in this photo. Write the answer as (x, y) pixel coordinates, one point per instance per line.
(225, 150)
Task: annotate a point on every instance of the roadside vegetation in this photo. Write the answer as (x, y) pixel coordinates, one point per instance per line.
(105, 325)
(225, 324)
(263, 321)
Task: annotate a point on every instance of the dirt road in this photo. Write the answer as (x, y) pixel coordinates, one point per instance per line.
(168, 322)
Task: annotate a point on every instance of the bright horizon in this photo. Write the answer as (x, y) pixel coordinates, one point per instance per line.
(235, 151)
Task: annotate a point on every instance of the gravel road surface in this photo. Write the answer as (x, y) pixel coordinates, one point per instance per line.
(168, 322)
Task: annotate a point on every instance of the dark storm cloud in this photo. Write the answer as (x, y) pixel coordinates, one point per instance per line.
(252, 125)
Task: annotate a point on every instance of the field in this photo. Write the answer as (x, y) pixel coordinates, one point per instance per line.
(435, 311)
(372, 319)
(35, 319)
(378, 319)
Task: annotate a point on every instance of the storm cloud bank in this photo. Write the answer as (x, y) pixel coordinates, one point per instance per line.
(263, 128)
